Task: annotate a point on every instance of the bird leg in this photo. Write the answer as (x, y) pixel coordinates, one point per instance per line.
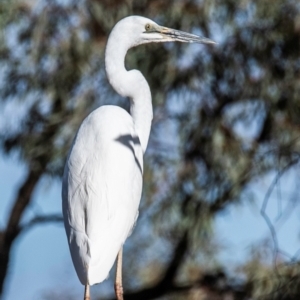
(118, 282)
(87, 292)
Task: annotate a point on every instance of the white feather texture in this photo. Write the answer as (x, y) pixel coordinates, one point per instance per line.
(102, 187)
(102, 181)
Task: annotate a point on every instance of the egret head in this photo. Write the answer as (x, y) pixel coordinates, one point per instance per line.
(139, 30)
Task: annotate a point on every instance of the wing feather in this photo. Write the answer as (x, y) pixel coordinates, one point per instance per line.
(102, 187)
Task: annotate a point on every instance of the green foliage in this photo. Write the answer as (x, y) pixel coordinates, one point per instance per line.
(263, 281)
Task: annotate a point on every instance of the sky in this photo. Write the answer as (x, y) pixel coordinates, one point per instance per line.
(41, 261)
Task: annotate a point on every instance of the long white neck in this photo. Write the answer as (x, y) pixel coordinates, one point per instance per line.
(130, 84)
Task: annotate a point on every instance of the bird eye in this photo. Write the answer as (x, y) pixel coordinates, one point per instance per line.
(147, 27)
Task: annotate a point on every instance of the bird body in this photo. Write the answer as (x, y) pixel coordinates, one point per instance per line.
(102, 181)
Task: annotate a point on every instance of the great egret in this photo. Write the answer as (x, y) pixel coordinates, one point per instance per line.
(102, 181)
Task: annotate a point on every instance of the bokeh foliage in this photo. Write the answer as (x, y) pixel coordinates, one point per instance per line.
(223, 116)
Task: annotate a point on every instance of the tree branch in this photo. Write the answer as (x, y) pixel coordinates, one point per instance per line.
(166, 285)
(22, 200)
(8, 235)
(211, 284)
(37, 220)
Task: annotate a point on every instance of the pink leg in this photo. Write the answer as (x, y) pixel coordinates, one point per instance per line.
(118, 282)
(87, 293)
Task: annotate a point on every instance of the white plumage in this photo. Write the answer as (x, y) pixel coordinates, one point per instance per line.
(102, 189)
(102, 181)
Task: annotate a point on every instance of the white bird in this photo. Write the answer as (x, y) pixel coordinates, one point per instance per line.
(102, 181)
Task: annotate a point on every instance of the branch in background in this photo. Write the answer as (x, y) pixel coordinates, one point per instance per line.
(176, 262)
(211, 285)
(167, 284)
(22, 200)
(263, 210)
(12, 229)
(43, 219)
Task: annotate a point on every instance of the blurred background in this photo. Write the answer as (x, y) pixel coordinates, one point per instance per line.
(219, 217)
